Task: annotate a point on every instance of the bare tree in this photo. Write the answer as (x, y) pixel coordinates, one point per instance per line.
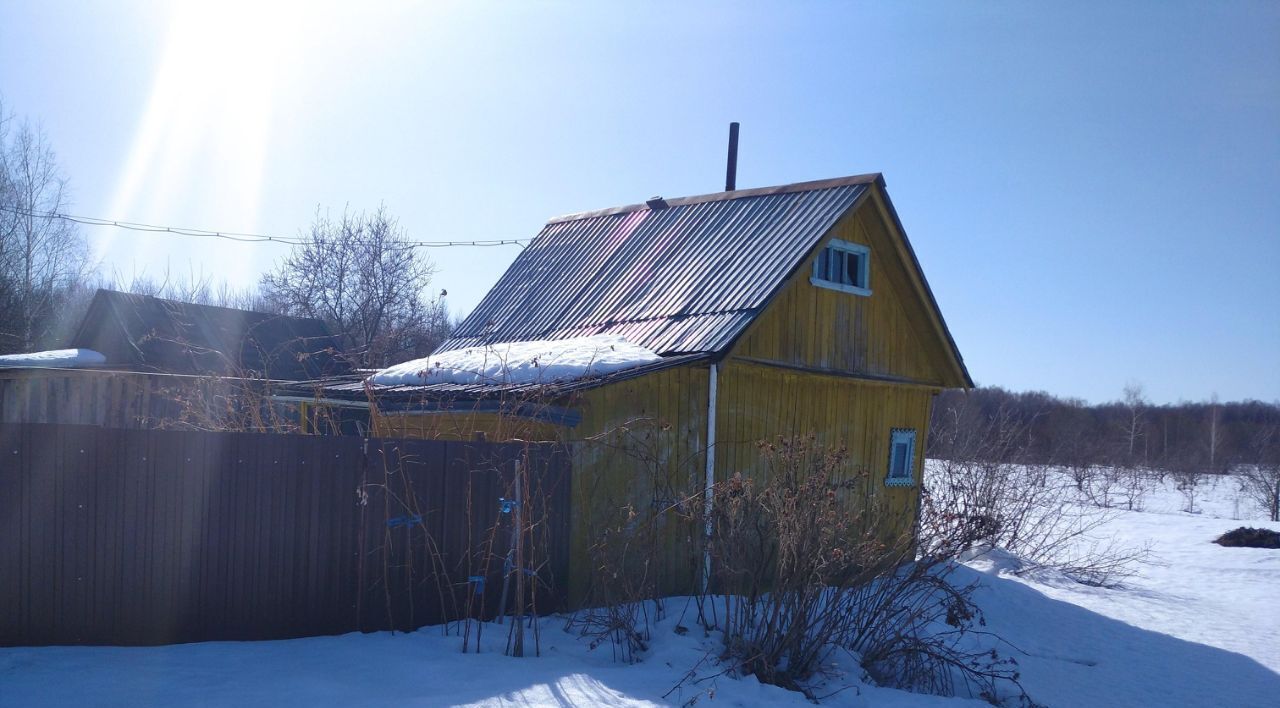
(42, 259)
(1213, 432)
(1260, 478)
(196, 287)
(1135, 404)
(1074, 446)
(360, 276)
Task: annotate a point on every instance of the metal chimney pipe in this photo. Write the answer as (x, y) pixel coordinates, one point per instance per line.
(731, 171)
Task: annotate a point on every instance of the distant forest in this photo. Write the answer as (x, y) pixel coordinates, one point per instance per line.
(1037, 428)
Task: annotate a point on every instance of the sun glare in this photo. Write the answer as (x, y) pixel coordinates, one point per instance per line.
(201, 145)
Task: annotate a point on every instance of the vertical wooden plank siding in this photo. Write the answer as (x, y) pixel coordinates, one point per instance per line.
(760, 402)
(888, 333)
(641, 443)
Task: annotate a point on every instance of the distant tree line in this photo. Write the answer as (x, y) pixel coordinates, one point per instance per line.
(356, 273)
(1209, 436)
(1186, 440)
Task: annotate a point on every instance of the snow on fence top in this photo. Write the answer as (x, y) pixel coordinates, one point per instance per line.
(539, 361)
(55, 359)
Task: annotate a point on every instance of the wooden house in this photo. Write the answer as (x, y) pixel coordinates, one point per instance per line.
(172, 364)
(792, 310)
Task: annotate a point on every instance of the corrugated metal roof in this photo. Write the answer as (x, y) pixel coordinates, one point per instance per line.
(686, 278)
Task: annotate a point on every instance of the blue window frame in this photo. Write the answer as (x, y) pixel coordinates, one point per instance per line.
(902, 457)
(843, 266)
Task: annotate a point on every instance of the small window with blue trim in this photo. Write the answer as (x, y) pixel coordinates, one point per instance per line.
(843, 266)
(902, 457)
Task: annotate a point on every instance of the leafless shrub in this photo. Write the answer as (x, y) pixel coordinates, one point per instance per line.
(1116, 487)
(1189, 481)
(238, 401)
(805, 562)
(987, 496)
(222, 403)
(632, 547)
(1259, 479)
(1134, 485)
(1028, 512)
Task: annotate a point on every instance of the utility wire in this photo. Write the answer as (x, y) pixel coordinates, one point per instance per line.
(236, 236)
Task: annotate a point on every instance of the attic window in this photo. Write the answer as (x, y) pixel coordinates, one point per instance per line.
(843, 266)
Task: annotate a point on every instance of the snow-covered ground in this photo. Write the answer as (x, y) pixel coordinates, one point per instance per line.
(1197, 626)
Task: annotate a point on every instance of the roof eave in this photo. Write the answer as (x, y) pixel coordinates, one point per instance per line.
(476, 393)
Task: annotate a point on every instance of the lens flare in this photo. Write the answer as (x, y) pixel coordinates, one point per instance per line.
(201, 144)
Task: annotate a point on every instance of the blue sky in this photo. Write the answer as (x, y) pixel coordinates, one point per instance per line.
(1089, 186)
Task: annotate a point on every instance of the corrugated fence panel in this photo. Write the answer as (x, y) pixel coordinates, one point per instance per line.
(152, 537)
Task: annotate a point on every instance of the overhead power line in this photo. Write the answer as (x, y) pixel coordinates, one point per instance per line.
(237, 236)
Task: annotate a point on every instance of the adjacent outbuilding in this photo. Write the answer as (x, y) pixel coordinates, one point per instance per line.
(138, 361)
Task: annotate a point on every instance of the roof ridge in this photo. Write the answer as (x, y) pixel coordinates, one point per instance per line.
(118, 295)
(810, 186)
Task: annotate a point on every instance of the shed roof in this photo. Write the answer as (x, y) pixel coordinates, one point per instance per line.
(684, 276)
(148, 333)
(357, 388)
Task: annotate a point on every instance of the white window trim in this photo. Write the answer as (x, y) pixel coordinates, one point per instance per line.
(896, 435)
(865, 260)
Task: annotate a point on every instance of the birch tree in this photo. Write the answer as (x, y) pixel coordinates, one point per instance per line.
(1134, 403)
(42, 259)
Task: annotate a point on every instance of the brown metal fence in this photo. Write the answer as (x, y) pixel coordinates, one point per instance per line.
(153, 536)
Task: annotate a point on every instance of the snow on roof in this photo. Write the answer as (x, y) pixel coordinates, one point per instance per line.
(533, 362)
(55, 359)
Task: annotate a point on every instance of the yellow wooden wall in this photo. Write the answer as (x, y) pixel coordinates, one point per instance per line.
(891, 332)
(757, 402)
(640, 442)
